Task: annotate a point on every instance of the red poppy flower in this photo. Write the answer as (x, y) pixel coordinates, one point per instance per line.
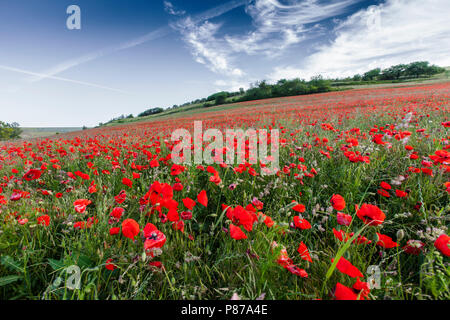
(383, 193)
(283, 260)
(303, 251)
(178, 187)
(361, 288)
(401, 194)
(130, 228)
(338, 202)
(186, 215)
(156, 265)
(81, 204)
(117, 213)
(44, 220)
(22, 221)
(292, 268)
(127, 182)
(176, 169)
(258, 204)
(443, 244)
(32, 174)
(153, 238)
(121, 197)
(178, 225)
(114, 231)
(202, 198)
(242, 216)
(16, 195)
(386, 241)
(173, 215)
(340, 234)
(414, 247)
(346, 267)
(344, 293)
(301, 223)
(447, 186)
(268, 221)
(109, 265)
(136, 175)
(236, 233)
(343, 219)
(189, 203)
(385, 185)
(299, 207)
(370, 214)
(79, 225)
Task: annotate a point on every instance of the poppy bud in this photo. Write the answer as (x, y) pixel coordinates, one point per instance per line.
(400, 234)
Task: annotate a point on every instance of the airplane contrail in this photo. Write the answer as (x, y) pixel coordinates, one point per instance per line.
(153, 35)
(60, 79)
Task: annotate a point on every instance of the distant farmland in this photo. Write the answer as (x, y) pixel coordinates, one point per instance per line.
(44, 132)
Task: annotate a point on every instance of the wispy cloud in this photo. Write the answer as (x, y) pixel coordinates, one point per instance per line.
(153, 35)
(84, 83)
(66, 65)
(170, 9)
(206, 48)
(397, 31)
(278, 26)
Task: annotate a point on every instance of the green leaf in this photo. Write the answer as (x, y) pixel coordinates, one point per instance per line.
(56, 264)
(11, 264)
(84, 261)
(9, 279)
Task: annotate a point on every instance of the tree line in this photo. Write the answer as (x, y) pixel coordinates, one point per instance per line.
(297, 86)
(284, 87)
(9, 131)
(398, 72)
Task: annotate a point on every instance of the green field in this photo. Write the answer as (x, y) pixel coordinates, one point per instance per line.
(28, 132)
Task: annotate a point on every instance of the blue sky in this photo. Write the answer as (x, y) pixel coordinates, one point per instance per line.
(132, 55)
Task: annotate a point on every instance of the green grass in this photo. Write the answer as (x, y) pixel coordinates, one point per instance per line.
(213, 266)
(39, 132)
(191, 109)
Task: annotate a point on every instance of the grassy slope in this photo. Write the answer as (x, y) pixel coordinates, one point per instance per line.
(213, 266)
(198, 108)
(28, 132)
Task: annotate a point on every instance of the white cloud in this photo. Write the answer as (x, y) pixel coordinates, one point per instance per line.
(276, 28)
(170, 9)
(230, 85)
(398, 31)
(279, 26)
(152, 35)
(206, 48)
(14, 89)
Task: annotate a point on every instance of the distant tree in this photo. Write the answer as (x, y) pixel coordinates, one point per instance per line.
(221, 98)
(421, 68)
(393, 72)
(218, 94)
(319, 84)
(9, 131)
(372, 74)
(357, 77)
(415, 69)
(150, 112)
(84, 128)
